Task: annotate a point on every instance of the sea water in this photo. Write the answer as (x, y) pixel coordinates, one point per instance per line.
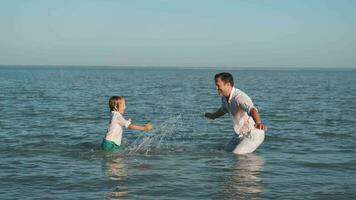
(52, 121)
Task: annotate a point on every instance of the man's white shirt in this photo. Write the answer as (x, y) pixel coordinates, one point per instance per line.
(239, 106)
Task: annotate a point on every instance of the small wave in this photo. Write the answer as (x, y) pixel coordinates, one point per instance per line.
(85, 145)
(334, 134)
(348, 165)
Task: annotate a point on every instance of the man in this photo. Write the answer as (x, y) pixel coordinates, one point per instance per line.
(249, 129)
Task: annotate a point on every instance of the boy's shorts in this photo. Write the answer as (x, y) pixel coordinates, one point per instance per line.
(108, 145)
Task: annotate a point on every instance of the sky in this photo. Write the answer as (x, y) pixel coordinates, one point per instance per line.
(186, 33)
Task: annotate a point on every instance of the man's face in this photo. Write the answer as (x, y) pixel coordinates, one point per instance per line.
(223, 89)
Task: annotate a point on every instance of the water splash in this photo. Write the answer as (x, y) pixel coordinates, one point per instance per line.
(157, 138)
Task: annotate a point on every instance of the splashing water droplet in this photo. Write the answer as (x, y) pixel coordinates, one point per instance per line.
(157, 139)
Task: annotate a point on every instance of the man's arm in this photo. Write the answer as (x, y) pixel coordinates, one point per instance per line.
(256, 117)
(220, 112)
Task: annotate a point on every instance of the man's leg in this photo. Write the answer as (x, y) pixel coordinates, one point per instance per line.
(232, 143)
(251, 142)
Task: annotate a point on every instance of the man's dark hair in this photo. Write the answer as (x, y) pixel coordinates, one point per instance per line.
(225, 77)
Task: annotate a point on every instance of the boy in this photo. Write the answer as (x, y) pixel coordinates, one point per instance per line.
(112, 140)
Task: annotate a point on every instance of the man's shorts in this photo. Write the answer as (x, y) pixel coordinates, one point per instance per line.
(242, 144)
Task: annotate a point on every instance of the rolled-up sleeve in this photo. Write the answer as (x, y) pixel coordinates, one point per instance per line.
(123, 122)
(246, 103)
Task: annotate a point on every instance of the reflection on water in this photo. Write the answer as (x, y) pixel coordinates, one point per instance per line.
(117, 172)
(245, 181)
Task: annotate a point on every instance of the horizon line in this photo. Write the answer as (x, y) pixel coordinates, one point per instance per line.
(171, 66)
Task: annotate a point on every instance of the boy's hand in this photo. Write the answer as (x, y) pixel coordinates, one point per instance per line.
(148, 127)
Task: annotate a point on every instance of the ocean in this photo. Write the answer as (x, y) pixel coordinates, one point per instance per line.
(53, 119)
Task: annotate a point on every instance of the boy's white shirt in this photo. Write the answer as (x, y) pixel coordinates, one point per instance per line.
(115, 130)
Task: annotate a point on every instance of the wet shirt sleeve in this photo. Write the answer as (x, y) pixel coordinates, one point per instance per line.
(122, 121)
(245, 103)
(224, 105)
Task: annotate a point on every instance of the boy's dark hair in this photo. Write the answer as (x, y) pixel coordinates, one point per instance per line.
(225, 77)
(113, 102)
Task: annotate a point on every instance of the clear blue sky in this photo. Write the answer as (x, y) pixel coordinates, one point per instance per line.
(190, 33)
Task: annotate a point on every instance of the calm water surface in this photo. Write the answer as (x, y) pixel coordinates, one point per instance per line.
(52, 121)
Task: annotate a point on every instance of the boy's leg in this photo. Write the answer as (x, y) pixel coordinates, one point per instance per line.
(251, 142)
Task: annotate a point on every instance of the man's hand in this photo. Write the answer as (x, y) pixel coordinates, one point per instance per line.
(261, 126)
(209, 115)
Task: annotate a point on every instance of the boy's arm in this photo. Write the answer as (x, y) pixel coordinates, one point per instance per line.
(145, 127)
(220, 112)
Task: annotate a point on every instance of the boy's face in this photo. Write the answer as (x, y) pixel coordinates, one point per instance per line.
(121, 104)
